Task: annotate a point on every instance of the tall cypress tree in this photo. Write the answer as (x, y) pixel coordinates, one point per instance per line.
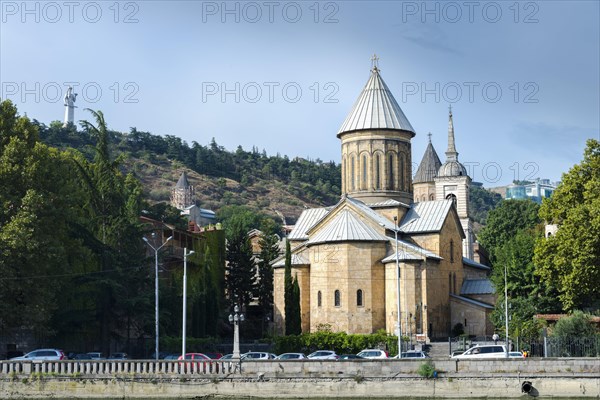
(291, 296)
(269, 250)
(240, 267)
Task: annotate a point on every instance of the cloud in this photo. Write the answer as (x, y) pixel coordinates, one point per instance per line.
(430, 37)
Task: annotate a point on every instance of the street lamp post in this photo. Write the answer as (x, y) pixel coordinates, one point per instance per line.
(183, 330)
(156, 250)
(235, 319)
(506, 307)
(398, 326)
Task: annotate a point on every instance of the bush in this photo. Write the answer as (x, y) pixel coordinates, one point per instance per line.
(340, 342)
(426, 370)
(577, 325)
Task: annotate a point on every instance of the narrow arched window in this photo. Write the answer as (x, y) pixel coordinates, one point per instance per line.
(451, 250)
(319, 299)
(337, 298)
(431, 197)
(359, 298)
(449, 282)
(391, 172)
(401, 173)
(352, 173)
(344, 175)
(364, 172)
(377, 177)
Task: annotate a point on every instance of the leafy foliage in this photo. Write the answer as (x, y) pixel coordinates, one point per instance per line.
(426, 370)
(576, 325)
(481, 202)
(571, 258)
(505, 221)
(240, 268)
(269, 251)
(293, 324)
(340, 342)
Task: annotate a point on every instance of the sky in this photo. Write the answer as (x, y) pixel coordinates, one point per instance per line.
(523, 77)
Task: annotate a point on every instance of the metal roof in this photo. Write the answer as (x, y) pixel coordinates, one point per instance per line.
(376, 108)
(298, 258)
(472, 302)
(388, 203)
(477, 286)
(183, 181)
(307, 220)
(374, 215)
(346, 226)
(475, 264)
(426, 216)
(408, 251)
(429, 166)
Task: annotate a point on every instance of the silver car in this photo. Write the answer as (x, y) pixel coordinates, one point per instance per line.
(43, 354)
(323, 355)
(291, 356)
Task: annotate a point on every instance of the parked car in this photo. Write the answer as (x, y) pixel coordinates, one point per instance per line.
(96, 355)
(350, 357)
(43, 354)
(515, 354)
(81, 356)
(258, 355)
(323, 355)
(226, 357)
(373, 354)
(194, 356)
(214, 356)
(414, 354)
(118, 356)
(483, 351)
(292, 356)
(174, 356)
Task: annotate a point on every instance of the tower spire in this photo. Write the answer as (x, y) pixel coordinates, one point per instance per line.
(375, 62)
(451, 153)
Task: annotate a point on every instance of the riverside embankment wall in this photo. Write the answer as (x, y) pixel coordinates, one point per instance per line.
(550, 378)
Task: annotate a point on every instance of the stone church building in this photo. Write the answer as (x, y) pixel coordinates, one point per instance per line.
(345, 256)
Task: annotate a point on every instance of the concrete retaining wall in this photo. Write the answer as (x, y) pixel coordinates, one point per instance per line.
(365, 379)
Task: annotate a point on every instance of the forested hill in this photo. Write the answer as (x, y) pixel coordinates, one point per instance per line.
(271, 184)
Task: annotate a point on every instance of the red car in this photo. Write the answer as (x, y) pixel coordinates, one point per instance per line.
(195, 356)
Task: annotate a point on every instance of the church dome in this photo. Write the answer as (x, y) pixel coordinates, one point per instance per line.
(376, 108)
(430, 164)
(452, 168)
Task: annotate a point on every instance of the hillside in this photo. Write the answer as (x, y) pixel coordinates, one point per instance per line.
(270, 184)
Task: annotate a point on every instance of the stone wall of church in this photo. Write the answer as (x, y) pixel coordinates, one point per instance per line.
(347, 268)
(377, 165)
(392, 212)
(302, 272)
(475, 320)
(442, 277)
(459, 187)
(411, 298)
(423, 191)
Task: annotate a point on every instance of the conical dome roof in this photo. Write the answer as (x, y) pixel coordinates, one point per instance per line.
(430, 164)
(376, 108)
(183, 183)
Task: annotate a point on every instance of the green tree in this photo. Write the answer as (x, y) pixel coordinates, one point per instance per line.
(571, 258)
(241, 271)
(269, 251)
(505, 221)
(38, 206)
(293, 324)
(576, 325)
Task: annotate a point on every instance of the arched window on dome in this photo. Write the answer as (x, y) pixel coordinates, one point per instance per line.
(377, 171)
(363, 184)
(401, 185)
(391, 172)
(352, 187)
(431, 198)
(344, 174)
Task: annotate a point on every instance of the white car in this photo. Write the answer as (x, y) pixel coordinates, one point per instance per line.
(291, 356)
(373, 354)
(323, 355)
(43, 354)
(414, 354)
(257, 355)
(483, 352)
